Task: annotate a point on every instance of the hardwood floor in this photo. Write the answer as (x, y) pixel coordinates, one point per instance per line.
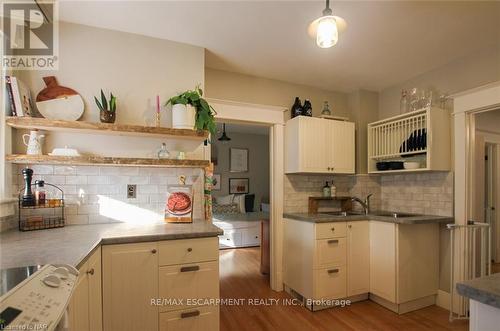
(240, 278)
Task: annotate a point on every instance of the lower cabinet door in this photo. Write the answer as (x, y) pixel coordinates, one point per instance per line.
(201, 318)
(251, 236)
(230, 238)
(330, 283)
(188, 285)
(78, 308)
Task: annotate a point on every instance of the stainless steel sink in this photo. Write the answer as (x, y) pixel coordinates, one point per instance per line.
(342, 213)
(392, 214)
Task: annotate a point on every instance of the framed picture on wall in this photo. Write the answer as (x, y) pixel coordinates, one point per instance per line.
(216, 182)
(238, 160)
(239, 185)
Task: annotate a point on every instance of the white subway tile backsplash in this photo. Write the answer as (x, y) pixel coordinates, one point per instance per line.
(64, 170)
(79, 180)
(98, 194)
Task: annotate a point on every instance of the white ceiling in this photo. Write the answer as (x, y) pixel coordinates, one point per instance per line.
(385, 42)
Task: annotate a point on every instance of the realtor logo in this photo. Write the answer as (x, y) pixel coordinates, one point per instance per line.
(30, 35)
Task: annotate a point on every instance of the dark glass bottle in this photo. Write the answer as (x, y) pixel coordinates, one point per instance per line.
(28, 196)
(307, 108)
(296, 108)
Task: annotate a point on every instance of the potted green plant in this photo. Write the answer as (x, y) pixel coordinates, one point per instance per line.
(107, 110)
(191, 111)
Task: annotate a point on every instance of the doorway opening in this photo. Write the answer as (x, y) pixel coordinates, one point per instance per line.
(486, 181)
(241, 201)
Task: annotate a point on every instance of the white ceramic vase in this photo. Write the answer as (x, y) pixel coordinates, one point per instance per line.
(183, 116)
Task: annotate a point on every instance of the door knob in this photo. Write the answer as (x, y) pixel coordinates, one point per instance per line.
(153, 251)
(90, 272)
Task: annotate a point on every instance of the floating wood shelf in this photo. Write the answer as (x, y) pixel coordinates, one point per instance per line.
(34, 123)
(105, 161)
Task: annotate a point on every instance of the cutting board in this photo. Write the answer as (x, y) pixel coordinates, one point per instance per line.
(56, 102)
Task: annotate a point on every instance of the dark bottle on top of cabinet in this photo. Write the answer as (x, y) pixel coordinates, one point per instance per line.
(307, 108)
(296, 108)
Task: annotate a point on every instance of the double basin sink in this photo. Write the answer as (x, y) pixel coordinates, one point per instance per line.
(374, 213)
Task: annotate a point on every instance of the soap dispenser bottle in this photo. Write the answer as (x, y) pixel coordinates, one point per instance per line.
(326, 190)
(333, 190)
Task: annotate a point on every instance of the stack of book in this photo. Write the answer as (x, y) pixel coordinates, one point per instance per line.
(19, 94)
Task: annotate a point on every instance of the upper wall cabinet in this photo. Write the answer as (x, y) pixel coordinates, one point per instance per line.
(421, 139)
(316, 145)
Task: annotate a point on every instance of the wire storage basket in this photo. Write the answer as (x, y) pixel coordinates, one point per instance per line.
(44, 214)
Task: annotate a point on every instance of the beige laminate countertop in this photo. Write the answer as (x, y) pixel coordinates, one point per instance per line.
(73, 243)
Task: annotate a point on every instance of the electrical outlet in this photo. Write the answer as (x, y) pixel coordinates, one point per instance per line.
(131, 191)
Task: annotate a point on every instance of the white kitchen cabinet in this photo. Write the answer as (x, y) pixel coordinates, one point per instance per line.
(136, 274)
(316, 261)
(85, 307)
(395, 265)
(317, 145)
(358, 257)
(130, 281)
(383, 260)
(404, 265)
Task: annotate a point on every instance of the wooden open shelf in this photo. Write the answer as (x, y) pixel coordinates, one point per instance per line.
(105, 161)
(34, 123)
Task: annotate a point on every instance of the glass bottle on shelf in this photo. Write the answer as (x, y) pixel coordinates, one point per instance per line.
(40, 194)
(326, 109)
(163, 153)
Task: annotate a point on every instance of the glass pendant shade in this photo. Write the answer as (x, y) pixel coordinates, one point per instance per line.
(327, 34)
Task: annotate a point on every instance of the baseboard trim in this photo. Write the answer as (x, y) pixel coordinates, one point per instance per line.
(405, 307)
(443, 299)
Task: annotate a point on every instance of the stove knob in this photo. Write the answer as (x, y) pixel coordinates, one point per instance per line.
(52, 281)
(61, 272)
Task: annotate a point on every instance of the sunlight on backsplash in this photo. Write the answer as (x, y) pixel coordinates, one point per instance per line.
(120, 211)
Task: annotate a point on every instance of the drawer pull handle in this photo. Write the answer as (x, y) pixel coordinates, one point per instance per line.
(333, 229)
(153, 251)
(190, 314)
(333, 271)
(189, 249)
(90, 272)
(333, 241)
(191, 268)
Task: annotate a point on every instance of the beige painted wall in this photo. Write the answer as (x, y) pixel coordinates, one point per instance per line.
(364, 109)
(244, 88)
(135, 68)
(479, 68)
(258, 168)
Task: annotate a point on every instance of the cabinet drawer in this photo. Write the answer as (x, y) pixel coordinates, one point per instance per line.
(201, 318)
(331, 251)
(188, 251)
(231, 238)
(188, 281)
(330, 283)
(251, 236)
(331, 230)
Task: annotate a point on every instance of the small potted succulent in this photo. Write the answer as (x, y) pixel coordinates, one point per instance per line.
(107, 110)
(191, 111)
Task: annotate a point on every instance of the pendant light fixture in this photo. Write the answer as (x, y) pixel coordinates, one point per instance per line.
(326, 28)
(224, 137)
